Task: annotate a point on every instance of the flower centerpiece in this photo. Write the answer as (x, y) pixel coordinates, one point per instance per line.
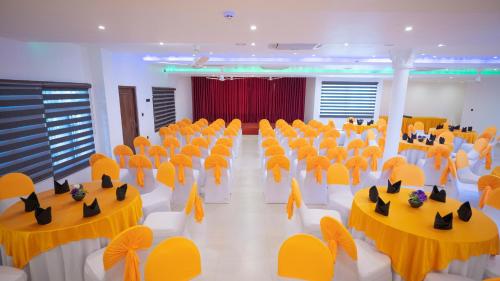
(417, 198)
(78, 192)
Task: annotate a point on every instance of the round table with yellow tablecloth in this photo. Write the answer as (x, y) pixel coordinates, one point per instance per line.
(57, 251)
(408, 237)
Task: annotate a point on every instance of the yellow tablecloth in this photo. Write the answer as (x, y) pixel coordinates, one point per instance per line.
(407, 235)
(429, 122)
(361, 128)
(469, 137)
(24, 239)
(404, 145)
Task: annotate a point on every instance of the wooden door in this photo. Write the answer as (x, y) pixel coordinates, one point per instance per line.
(128, 110)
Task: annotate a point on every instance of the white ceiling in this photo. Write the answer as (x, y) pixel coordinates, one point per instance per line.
(371, 27)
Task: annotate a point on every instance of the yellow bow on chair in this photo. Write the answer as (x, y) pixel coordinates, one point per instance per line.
(294, 198)
(438, 151)
(142, 143)
(355, 145)
(338, 154)
(336, 235)
(181, 161)
(318, 164)
(348, 128)
(218, 163)
(194, 202)
(373, 153)
(356, 164)
(171, 143)
(450, 169)
(140, 162)
(157, 152)
(486, 184)
(486, 153)
(276, 163)
(121, 151)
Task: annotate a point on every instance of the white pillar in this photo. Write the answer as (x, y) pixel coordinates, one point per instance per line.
(402, 62)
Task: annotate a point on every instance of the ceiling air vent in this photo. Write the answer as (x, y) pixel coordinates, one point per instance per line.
(294, 46)
(274, 67)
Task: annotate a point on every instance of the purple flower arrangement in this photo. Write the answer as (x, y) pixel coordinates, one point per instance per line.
(78, 192)
(417, 198)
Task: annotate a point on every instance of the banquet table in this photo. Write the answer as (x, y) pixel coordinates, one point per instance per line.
(414, 151)
(415, 248)
(359, 129)
(429, 122)
(57, 251)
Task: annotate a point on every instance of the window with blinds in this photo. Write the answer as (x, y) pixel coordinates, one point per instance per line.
(45, 128)
(348, 99)
(163, 107)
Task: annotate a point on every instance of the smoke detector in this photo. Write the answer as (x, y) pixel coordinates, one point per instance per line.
(229, 15)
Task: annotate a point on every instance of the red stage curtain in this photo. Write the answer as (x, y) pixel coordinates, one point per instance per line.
(249, 99)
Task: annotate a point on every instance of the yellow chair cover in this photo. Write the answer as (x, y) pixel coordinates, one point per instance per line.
(349, 128)
(296, 143)
(370, 136)
(381, 143)
(121, 151)
(438, 152)
(373, 153)
(461, 159)
(171, 143)
(337, 174)
(166, 132)
(276, 163)
(394, 162)
(328, 143)
(306, 151)
(203, 121)
(191, 150)
(335, 235)
(269, 141)
(318, 164)
(157, 152)
(166, 174)
(230, 132)
(355, 145)
(268, 133)
(486, 184)
(310, 133)
(493, 199)
(15, 185)
(297, 123)
(208, 132)
(141, 142)
(96, 156)
(200, 142)
(305, 257)
(124, 246)
(496, 171)
(333, 133)
(221, 150)
(194, 203)
(187, 132)
(337, 154)
(174, 259)
(217, 163)
(295, 198)
(290, 133)
(140, 162)
(409, 175)
(181, 161)
(411, 129)
(225, 141)
(418, 126)
(105, 166)
(486, 153)
(274, 150)
(356, 164)
(480, 145)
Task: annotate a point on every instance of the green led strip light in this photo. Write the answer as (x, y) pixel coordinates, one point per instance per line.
(304, 70)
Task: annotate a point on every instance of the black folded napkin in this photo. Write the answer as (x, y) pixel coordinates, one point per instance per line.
(457, 127)
(106, 181)
(421, 138)
(429, 142)
(441, 140)
(360, 121)
(91, 210)
(405, 136)
(369, 122)
(351, 121)
(432, 137)
(438, 195)
(413, 136)
(373, 194)
(30, 202)
(61, 188)
(440, 126)
(382, 208)
(465, 211)
(43, 216)
(121, 192)
(451, 128)
(393, 187)
(409, 140)
(443, 223)
(464, 129)
(469, 129)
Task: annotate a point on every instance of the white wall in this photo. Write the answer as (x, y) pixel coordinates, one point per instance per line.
(484, 99)
(429, 98)
(309, 99)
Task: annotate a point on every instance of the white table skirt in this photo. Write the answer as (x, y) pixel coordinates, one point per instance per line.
(63, 263)
(473, 268)
(413, 155)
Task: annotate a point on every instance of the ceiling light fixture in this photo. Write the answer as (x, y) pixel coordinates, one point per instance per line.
(422, 54)
(211, 53)
(294, 53)
(434, 56)
(441, 45)
(409, 28)
(161, 43)
(253, 55)
(194, 55)
(313, 55)
(253, 43)
(346, 44)
(253, 27)
(495, 57)
(101, 27)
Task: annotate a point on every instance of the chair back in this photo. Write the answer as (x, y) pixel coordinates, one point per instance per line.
(274, 150)
(218, 163)
(267, 132)
(276, 163)
(226, 141)
(337, 174)
(336, 235)
(373, 154)
(122, 154)
(438, 152)
(181, 162)
(496, 171)
(461, 160)
(124, 248)
(269, 141)
(333, 133)
(194, 204)
(166, 132)
(305, 257)
(295, 198)
(295, 144)
(174, 259)
(221, 150)
(191, 150)
(328, 143)
(356, 164)
(166, 174)
(140, 163)
(96, 156)
(318, 165)
(418, 126)
(337, 154)
(171, 144)
(141, 145)
(201, 142)
(157, 153)
(448, 137)
(186, 133)
(355, 145)
(409, 175)
(348, 129)
(485, 185)
(14, 185)
(105, 166)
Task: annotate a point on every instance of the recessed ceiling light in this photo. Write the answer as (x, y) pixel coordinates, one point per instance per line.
(253, 55)
(495, 57)
(211, 53)
(441, 45)
(374, 56)
(434, 56)
(494, 69)
(422, 54)
(313, 55)
(294, 53)
(409, 28)
(451, 77)
(161, 43)
(194, 55)
(101, 27)
(253, 27)
(346, 44)
(253, 43)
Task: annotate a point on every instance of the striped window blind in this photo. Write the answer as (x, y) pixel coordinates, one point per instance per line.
(24, 144)
(163, 107)
(348, 99)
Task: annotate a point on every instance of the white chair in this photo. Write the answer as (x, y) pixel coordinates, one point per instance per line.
(140, 174)
(277, 179)
(159, 199)
(185, 178)
(339, 190)
(217, 184)
(168, 224)
(122, 155)
(356, 259)
(309, 218)
(110, 263)
(493, 267)
(314, 189)
(464, 173)
(437, 162)
(436, 276)
(8, 273)
(194, 152)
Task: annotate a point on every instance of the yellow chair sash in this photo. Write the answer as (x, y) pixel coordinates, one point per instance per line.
(166, 132)
(338, 154)
(187, 132)
(217, 163)
(166, 174)
(296, 143)
(333, 133)
(438, 152)
(493, 198)
(328, 143)
(486, 153)
(348, 128)
(226, 141)
(356, 164)
(191, 150)
(373, 153)
(276, 163)
(318, 164)
(355, 145)
(125, 245)
(394, 162)
(140, 162)
(181, 161)
(142, 143)
(121, 151)
(461, 159)
(200, 142)
(335, 235)
(274, 150)
(194, 202)
(171, 143)
(306, 152)
(269, 141)
(485, 185)
(15, 185)
(294, 198)
(221, 150)
(450, 169)
(157, 152)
